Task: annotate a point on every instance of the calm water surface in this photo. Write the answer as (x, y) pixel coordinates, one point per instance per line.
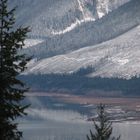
(51, 120)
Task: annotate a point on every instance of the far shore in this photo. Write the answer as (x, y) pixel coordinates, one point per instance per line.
(130, 102)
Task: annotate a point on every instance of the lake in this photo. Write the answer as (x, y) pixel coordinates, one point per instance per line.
(51, 119)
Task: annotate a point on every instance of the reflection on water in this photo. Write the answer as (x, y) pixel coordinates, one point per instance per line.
(51, 120)
(52, 130)
(56, 115)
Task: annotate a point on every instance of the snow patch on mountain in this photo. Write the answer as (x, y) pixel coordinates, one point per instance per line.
(106, 6)
(32, 42)
(72, 26)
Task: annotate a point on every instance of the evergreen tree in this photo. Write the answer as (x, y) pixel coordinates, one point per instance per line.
(103, 128)
(12, 63)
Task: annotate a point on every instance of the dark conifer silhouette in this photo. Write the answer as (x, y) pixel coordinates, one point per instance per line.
(103, 128)
(12, 63)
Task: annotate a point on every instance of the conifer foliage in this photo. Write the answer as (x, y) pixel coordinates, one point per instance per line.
(12, 63)
(103, 128)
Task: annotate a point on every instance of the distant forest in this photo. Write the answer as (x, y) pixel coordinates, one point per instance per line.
(80, 83)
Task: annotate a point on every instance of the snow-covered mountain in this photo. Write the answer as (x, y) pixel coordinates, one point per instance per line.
(110, 44)
(68, 35)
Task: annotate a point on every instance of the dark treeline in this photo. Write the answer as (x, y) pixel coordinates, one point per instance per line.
(79, 83)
